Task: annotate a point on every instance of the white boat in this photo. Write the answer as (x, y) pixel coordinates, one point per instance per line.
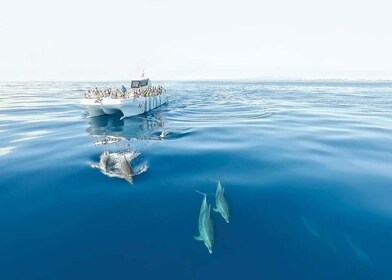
(141, 98)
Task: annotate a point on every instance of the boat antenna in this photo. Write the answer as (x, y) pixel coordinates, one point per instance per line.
(143, 74)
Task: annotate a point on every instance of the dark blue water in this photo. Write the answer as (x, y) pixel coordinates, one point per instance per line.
(306, 166)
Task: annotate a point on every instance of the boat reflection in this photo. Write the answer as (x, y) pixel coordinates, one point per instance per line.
(113, 129)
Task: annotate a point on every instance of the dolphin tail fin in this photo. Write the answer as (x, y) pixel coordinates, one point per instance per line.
(215, 210)
(198, 238)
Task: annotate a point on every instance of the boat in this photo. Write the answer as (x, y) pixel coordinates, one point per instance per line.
(140, 98)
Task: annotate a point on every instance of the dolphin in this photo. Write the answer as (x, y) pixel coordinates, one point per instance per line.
(206, 226)
(125, 170)
(104, 161)
(115, 165)
(315, 231)
(360, 254)
(221, 204)
(310, 228)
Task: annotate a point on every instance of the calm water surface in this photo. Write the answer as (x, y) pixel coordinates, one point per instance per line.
(306, 166)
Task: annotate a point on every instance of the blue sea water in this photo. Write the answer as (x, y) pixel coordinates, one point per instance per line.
(306, 167)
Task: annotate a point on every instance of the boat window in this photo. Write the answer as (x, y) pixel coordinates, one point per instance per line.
(143, 83)
(137, 84)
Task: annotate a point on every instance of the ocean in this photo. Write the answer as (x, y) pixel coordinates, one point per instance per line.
(306, 167)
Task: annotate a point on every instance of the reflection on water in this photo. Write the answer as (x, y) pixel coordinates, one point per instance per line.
(141, 127)
(108, 140)
(27, 136)
(5, 150)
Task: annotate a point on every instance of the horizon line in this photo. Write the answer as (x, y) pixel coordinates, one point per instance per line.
(260, 79)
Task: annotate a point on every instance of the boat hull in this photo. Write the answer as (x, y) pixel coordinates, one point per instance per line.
(128, 107)
(93, 107)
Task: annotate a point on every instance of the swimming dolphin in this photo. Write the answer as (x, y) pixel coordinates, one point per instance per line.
(116, 165)
(206, 226)
(360, 254)
(310, 228)
(221, 204)
(126, 170)
(315, 231)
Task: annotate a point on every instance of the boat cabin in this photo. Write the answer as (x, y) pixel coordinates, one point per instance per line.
(140, 83)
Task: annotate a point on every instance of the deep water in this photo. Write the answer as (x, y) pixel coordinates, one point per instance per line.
(306, 167)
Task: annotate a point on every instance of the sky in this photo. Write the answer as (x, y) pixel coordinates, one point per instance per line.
(203, 39)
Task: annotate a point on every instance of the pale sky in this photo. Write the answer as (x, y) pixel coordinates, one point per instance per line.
(203, 39)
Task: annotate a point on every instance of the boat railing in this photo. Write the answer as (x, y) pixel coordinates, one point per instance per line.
(99, 94)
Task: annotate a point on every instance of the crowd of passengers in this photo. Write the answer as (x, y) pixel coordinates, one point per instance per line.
(123, 93)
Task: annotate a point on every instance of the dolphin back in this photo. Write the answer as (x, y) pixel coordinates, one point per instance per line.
(126, 167)
(221, 203)
(206, 226)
